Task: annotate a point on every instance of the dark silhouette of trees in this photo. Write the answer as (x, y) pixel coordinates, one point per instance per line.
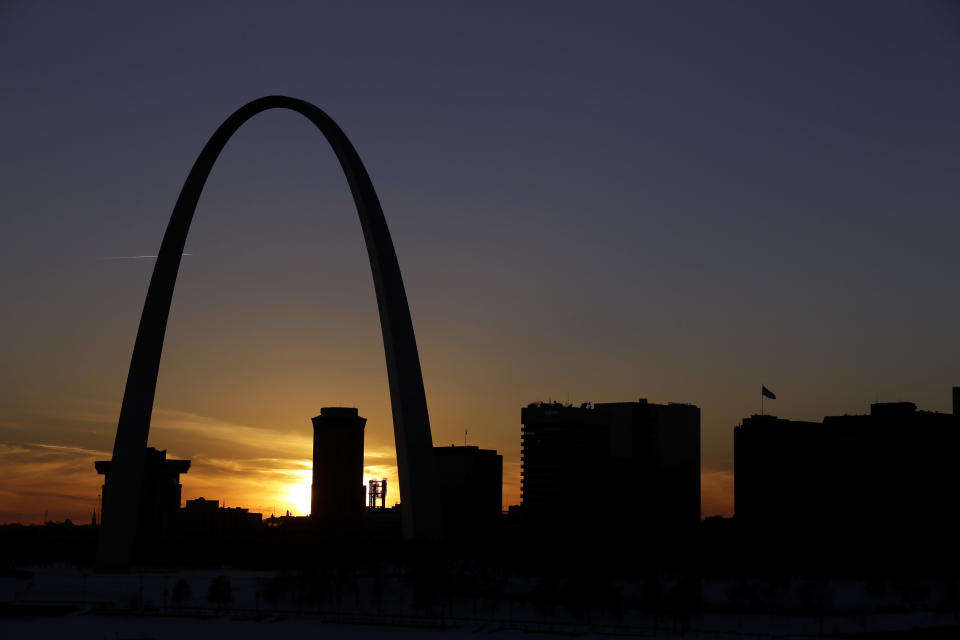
(220, 592)
(182, 593)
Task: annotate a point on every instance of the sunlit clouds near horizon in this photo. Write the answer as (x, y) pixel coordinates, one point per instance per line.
(258, 469)
(262, 470)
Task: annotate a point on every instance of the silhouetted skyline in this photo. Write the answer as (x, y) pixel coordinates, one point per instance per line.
(888, 474)
(672, 201)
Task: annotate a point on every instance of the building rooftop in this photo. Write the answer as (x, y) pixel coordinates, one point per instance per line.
(338, 412)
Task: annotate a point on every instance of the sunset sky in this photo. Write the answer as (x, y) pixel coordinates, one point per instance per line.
(590, 201)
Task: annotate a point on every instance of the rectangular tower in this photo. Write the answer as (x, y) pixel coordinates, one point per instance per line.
(337, 494)
(563, 462)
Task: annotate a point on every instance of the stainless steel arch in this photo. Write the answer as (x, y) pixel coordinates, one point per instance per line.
(411, 423)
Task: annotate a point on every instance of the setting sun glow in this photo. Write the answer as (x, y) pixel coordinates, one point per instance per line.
(298, 493)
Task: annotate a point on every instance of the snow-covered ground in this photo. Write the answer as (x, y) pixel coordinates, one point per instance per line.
(185, 604)
(122, 628)
(101, 627)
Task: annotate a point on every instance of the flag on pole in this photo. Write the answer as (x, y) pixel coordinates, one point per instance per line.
(767, 393)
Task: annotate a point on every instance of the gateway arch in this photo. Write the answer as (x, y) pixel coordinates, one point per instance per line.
(411, 423)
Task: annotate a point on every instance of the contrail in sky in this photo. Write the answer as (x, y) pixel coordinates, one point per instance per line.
(132, 257)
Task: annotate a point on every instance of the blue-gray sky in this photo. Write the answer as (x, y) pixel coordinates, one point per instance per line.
(590, 200)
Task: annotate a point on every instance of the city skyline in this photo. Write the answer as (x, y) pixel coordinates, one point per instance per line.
(623, 240)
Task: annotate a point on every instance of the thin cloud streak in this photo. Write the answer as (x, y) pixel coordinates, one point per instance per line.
(56, 480)
(231, 433)
(132, 257)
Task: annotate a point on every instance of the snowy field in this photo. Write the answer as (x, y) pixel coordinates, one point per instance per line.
(124, 628)
(99, 627)
(121, 628)
(77, 603)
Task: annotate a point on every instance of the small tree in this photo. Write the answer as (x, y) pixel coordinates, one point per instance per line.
(219, 593)
(181, 593)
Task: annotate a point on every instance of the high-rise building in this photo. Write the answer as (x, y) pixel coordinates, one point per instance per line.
(159, 492)
(337, 496)
(563, 470)
(631, 466)
(891, 471)
(471, 488)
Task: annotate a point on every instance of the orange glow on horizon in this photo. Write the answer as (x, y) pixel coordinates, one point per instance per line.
(264, 470)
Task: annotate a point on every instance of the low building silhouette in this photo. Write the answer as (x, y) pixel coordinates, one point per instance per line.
(626, 469)
(159, 493)
(889, 474)
(338, 493)
(382, 524)
(471, 489)
(206, 519)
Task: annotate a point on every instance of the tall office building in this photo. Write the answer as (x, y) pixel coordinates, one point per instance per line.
(633, 467)
(563, 470)
(337, 494)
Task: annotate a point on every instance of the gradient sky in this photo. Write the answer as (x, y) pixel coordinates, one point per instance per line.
(593, 201)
